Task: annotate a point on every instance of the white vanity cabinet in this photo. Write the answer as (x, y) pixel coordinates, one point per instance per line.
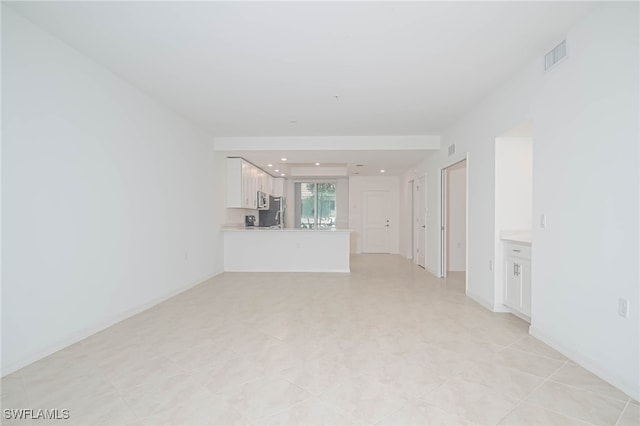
(517, 277)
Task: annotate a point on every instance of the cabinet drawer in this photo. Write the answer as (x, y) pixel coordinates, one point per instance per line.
(517, 250)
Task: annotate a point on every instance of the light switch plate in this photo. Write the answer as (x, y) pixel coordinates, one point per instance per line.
(623, 308)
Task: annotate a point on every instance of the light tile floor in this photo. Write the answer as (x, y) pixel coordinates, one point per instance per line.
(388, 344)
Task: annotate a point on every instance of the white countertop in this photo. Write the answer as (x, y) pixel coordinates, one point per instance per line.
(522, 236)
(258, 229)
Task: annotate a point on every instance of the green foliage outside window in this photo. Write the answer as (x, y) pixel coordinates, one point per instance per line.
(326, 204)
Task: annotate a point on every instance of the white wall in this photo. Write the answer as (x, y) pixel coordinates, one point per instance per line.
(357, 186)
(585, 167)
(586, 162)
(514, 184)
(342, 203)
(104, 192)
(456, 222)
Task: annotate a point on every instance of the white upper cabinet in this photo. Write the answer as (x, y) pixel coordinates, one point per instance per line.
(244, 180)
(242, 189)
(269, 184)
(277, 189)
(263, 181)
(235, 183)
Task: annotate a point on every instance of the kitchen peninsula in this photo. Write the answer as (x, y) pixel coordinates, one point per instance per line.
(286, 250)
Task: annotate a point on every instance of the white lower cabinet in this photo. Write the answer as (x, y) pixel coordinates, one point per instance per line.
(517, 278)
(525, 299)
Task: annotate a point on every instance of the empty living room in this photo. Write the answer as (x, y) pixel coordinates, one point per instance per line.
(320, 213)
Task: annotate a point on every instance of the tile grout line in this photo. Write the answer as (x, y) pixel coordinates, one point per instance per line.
(266, 417)
(532, 391)
(510, 346)
(554, 411)
(514, 342)
(566, 361)
(590, 391)
(536, 354)
(622, 412)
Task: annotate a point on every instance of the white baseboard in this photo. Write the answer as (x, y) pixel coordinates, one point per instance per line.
(481, 301)
(89, 331)
(519, 315)
(499, 307)
(631, 389)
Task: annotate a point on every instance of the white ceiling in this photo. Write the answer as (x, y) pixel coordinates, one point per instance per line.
(393, 162)
(250, 68)
(260, 69)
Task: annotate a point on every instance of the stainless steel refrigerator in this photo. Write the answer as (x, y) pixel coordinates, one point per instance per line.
(274, 217)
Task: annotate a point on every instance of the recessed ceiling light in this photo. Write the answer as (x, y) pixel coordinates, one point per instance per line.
(283, 159)
(276, 170)
(282, 174)
(269, 165)
(317, 164)
(381, 170)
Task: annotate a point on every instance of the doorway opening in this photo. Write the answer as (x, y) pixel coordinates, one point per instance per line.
(453, 226)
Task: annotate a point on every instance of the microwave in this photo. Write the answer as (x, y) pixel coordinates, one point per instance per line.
(263, 201)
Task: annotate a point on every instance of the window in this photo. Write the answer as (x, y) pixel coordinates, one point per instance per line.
(315, 205)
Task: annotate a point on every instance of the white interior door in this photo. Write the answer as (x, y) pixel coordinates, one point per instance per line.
(376, 225)
(420, 216)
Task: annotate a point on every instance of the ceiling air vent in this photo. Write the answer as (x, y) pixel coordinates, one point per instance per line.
(556, 55)
(452, 149)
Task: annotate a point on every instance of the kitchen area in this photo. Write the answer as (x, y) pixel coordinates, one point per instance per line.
(270, 229)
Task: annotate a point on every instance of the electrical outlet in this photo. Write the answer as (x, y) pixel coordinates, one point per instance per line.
(491, 265)
(623, 308)
(543, 221)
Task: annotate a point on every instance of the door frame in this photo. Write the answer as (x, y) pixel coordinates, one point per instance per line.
(420, 210)
(443, 218)
(412, 218)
